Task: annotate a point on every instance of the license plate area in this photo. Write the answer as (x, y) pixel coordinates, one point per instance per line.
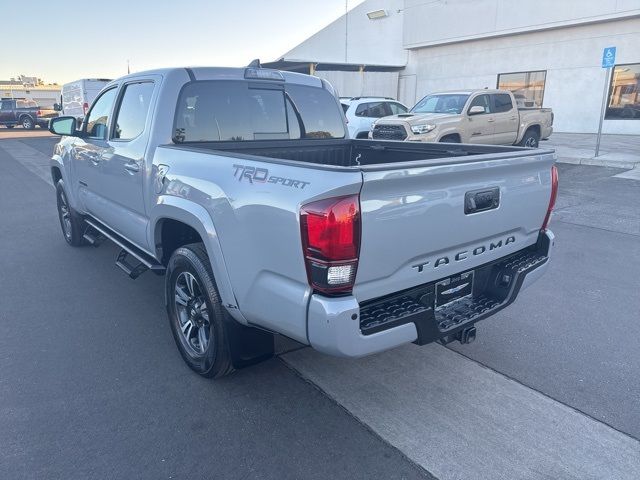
(453, 288)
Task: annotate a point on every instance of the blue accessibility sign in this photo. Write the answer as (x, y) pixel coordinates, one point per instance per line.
(609, 57)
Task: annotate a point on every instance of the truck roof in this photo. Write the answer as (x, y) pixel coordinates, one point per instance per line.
(226, 73)
(469, 92)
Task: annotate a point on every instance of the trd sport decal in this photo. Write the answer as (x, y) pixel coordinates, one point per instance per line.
(261, 175)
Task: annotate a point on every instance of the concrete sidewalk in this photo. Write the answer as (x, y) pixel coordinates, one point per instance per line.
(621, 151)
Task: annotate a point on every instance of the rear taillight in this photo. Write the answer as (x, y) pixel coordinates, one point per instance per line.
(331, 242)
(85, 107)
(554, 195)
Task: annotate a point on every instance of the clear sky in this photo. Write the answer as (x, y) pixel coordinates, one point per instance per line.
(61, 41)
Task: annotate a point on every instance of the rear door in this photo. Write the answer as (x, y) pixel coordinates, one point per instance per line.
(415, 228)
(122, 164)
(480, 125)
(506, 119)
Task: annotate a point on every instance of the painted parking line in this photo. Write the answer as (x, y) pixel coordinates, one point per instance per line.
(460, 420)
(32, 159)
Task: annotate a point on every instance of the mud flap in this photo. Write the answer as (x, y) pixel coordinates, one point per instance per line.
(248, 346)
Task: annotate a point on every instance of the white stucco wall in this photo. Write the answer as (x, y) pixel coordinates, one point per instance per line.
(570, 55)
(444, 21)
(356, 84)
(368, 42)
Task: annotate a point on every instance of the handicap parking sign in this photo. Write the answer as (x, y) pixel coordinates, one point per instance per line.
(609, 57)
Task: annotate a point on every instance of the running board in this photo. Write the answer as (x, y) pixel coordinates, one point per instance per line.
(143, 261)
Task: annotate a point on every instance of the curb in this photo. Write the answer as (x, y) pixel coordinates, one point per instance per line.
(594, 162)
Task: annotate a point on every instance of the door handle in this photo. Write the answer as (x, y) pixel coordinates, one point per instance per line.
(490, 120)
(132, 167)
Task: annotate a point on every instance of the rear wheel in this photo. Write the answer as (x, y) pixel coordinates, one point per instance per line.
(196, 314)
(531, 139)
(71, 223)
(27, 123)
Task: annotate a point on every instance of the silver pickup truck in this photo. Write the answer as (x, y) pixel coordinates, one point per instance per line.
(241, 187)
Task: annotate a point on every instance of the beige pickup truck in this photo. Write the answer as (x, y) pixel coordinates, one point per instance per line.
(471, 116)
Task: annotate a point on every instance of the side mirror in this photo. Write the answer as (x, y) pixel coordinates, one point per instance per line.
(63, 126)
(476, 110)
(57, 107)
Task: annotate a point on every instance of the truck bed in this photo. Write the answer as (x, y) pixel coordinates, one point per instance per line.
(352, 153)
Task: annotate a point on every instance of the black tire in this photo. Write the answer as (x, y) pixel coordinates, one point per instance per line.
(531, 139)
(27, 123)
(72, 224)
(10, 126)
(450, 139)
(187, 313)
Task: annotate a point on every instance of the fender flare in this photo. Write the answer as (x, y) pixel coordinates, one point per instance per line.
(58, 162)
(197, 217)
(524, 129)
(450, 131)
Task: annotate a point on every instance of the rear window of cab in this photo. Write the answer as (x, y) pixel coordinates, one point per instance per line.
(234, 110)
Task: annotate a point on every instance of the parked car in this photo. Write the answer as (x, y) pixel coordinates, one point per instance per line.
(19, 111)
(242, 188)
(472, 116)
(76, 97)
(362, 111)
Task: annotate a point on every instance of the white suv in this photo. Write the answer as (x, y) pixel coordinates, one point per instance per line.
(361, 112)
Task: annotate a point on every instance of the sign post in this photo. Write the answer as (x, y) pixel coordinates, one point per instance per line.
(608, 62)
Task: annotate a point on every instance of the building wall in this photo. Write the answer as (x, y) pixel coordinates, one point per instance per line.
(361, 84)
(44, 96)
(354, 39)
(570, 55)
(437, 22)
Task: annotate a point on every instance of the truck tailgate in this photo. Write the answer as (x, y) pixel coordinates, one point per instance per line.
(416, 229)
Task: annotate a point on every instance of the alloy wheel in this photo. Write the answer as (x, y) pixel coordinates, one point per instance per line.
(193, 314)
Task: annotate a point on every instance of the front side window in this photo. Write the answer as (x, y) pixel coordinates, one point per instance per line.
(97, 124)
(211, 111)
(502, 102)
(481, 101)
(624, 93)
(527, 87)
(6, 105)
(133, 111)
(444, 103)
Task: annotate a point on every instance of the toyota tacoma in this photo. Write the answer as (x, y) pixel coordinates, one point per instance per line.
(241, 187)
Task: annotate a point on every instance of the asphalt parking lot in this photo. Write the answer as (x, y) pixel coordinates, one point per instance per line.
(92, 385)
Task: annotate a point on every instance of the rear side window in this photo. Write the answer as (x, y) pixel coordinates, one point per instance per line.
(372, 110)
(502, 102)
(397, 108)
(210, 111)
(133, 111)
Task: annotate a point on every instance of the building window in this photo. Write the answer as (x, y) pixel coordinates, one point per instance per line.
(624, 93)
(527, 87)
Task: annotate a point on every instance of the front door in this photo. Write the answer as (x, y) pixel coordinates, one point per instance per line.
(123, 165)
(6, 112)
(89, 150)
(480, 128)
